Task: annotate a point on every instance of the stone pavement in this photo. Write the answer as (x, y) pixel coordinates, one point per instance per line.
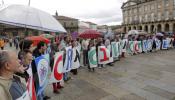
(148, 76)
(142, 77)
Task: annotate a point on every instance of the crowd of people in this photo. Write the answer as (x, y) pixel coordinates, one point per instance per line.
(12, 67)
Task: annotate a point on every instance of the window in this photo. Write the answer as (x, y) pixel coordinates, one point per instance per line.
(159, 5)
(166, 15)
(140, 18)
(159, 16)
(131, 12)
(146, 8)
(64, 24)
(146, 18)
(152, 7)
(126, 20)
(126, 13)
(135, 18)
(174, 14)
(152, 17)
(130, 19)
(135, 11)
(166, 2)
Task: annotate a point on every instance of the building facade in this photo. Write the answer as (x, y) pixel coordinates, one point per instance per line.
(149, 15)
(70, 24)
(83, 26)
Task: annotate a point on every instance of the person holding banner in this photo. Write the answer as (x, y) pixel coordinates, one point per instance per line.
(11, 88)
(108, 45)
(99, 43)
(67, 46)
(76, 58)
(54, 49)
(91, 44)
(40, 50)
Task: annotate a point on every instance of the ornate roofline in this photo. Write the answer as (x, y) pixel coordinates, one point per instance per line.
(129, 2)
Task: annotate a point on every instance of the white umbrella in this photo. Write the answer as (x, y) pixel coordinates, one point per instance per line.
(133, 32)
(28, 17)
(159, 34)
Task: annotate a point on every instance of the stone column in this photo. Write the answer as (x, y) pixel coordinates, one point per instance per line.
(163, 27)
(171, 27)
(127, 29)
(155, 26)
(149, 29)
(143, 27)
(132, 27)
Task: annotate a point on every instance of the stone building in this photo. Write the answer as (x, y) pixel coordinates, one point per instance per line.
(70, 24)
(149, 15)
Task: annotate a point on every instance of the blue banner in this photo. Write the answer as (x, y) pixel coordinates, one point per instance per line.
(43, 66)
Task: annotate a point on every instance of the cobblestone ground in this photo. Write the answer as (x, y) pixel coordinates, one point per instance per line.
(148, 76)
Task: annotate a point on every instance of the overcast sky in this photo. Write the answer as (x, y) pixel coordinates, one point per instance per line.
(97, 11)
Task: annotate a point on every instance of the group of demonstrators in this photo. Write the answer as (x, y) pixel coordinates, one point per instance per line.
(53, 63)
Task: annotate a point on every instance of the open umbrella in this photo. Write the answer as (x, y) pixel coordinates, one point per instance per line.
(159, 34)
(37, 39)
(133, 32)
(47, 36)
(28, 17)
(90, 34)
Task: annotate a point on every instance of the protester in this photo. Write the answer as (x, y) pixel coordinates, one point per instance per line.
(24, 45)
(16, 41)
(10, 42)
(68, 43)
(99, 43)
(91, 44)
(54, 49)
(75, 49)
(84, 47)
(10, 85)
(40, 50)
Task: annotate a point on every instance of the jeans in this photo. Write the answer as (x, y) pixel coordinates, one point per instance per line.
(65, 76)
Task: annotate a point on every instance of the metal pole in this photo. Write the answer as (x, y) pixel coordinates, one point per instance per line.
(29, 3)
(2, 2)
